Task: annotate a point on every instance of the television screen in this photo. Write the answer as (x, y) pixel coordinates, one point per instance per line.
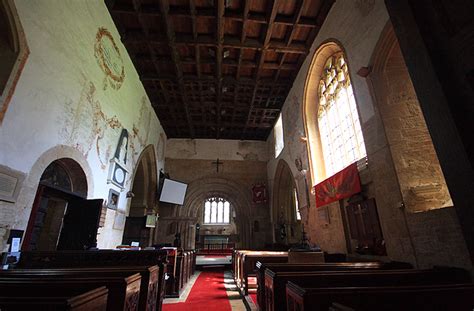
(173, 192)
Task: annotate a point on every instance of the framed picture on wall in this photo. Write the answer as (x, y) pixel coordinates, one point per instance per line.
(113, 199)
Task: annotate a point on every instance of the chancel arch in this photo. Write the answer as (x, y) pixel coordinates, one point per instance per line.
(142, 199)
(285, 206)
(239, 229)
(331, 117)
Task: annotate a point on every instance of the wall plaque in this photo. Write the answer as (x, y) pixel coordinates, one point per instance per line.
(10, 184)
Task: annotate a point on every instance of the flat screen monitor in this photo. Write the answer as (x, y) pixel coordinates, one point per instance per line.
(173, 192)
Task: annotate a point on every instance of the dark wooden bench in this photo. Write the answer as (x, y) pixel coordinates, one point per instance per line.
(99, 258)
(342, 266)
(459, 297)
(247, 265)
(124, 292)
(275, 282)
(148, 285)
(95, 300)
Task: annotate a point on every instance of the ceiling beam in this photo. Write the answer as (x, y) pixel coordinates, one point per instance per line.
(219, 55)
(164, 8)
(255, 17)
(229, 42)
(261, 58)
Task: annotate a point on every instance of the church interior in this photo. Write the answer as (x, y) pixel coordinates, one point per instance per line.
(237, 155)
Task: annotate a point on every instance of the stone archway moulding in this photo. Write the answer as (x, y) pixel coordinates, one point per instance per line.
(28, 191)
(240, 200)
(150, 167)
(201, 189)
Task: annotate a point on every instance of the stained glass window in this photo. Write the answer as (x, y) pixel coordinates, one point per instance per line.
(338, 120)
(216, 211)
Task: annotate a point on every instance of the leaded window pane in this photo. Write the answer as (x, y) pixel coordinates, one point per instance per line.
(338, 120)
(216, 211)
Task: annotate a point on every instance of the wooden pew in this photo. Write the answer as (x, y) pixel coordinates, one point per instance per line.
(343, 266)
(95, 300)
(236, 264)
(99, 258)
(148, 286)
(124, 292)
(247, 265)
(275, 281)
(457, 297)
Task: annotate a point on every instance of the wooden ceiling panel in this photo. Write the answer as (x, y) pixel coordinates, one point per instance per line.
(218, 68)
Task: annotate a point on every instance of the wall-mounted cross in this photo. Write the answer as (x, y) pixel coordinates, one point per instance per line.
(217, 163)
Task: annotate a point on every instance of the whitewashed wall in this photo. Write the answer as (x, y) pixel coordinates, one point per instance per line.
(64, 106)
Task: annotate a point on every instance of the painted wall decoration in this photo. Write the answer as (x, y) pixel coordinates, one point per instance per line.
(109, 59)
(85, 125)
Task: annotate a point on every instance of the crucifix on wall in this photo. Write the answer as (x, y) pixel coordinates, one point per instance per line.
(217, 163)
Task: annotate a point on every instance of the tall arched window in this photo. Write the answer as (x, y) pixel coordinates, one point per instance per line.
(338, 121)
(216, 211)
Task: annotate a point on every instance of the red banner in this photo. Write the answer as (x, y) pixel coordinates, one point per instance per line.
(339, 186)
(259, 193)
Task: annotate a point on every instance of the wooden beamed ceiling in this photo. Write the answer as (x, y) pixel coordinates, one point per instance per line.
(218, 68)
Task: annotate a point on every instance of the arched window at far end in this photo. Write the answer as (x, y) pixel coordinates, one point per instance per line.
(216, 211)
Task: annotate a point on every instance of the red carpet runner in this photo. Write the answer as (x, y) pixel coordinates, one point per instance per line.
(208, 293)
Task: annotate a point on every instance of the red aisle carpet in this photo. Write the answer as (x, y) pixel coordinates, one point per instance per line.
(253, 296)
(208, 293)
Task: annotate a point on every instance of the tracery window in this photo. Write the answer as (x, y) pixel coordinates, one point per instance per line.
(338, 120)
(216, 211)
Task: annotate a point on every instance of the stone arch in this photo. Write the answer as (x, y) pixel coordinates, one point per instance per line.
(240, 200)
(143, 198)
(417, 167)
(14, 50)
(146, 170)
(51, 199)
(67, 155)
(283, 205)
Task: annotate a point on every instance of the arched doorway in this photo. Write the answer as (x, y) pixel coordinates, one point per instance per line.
(61, 217)
(143, 201)
(285, 208)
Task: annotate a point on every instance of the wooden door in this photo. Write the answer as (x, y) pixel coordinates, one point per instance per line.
(80, 225)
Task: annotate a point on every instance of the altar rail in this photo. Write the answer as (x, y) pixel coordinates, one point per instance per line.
(209, 248)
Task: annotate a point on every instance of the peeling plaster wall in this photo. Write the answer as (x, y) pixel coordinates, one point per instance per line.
(357, 26)
(211, 149)
(65, 106)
